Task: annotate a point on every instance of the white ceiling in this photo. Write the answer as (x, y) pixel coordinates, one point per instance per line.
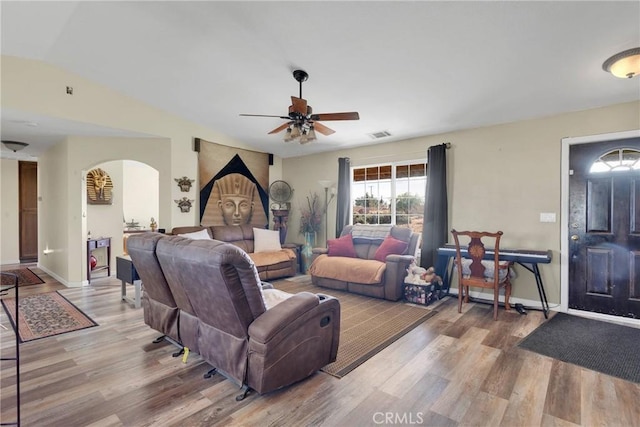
(410, 68)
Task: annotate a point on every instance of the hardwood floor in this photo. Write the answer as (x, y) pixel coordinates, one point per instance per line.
(452, 370)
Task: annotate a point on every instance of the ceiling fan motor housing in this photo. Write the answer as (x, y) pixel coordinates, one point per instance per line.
(300, 75)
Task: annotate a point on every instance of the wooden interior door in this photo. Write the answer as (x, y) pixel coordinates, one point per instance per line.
(604, 233)
(28, 210)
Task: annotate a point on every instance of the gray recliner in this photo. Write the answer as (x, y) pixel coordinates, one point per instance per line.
(257, 348)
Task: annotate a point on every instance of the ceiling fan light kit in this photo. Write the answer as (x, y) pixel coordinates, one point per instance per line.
(302, 124)
(625, 64)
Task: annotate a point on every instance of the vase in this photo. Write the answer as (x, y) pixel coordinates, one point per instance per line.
(307, 250)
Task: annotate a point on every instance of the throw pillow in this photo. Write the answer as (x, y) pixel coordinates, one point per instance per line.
(389, 246)
(197, 235)
(266, 240)
(342, 247)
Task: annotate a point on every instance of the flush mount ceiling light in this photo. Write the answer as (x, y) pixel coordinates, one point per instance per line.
(624, 64)
(14, 145)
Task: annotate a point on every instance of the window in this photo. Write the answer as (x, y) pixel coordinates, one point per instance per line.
(389, 194)
(623, 159)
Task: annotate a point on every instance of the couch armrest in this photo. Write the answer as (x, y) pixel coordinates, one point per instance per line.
(316, 252)
(272, 321)
(287, 343)
(394, 275)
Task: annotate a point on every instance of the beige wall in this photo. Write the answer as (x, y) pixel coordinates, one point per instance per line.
(499, 178)
(83, 155)
(38, 88)
(141, 195)
(9, 243)
(54, 222)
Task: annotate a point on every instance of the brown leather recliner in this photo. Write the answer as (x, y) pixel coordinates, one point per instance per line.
(165, 305)
(159, 306)
(257, 348)
(188, 324)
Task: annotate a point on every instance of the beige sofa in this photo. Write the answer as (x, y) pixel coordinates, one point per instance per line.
(270, 265)
(361, 272)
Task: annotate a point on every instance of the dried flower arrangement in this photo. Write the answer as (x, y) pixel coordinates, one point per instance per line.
(311, 215)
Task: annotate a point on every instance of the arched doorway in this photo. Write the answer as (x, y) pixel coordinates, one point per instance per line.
(134, 202)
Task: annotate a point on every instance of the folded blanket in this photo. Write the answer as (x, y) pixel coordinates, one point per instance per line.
(354, 270)
(367, 233)
(260, 259)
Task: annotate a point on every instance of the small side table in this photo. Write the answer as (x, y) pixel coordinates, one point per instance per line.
(126, 272)
(99, 243)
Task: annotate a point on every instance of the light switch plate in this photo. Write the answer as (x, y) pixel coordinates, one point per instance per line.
(547, 217)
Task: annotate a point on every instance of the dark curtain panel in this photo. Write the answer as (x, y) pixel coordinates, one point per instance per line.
(435, 229)
(344, 194)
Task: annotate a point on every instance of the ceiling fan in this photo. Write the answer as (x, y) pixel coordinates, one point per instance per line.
(301, 123)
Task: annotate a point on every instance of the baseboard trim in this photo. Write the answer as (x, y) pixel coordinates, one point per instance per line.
(55, 276)
(528, 304)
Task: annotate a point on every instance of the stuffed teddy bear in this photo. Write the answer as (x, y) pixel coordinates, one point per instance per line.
(414, 274)
(430, 276)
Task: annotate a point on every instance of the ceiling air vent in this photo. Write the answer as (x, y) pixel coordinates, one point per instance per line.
(380, 134)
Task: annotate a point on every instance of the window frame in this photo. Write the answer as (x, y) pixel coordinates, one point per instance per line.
(603, 164)
(393, 184)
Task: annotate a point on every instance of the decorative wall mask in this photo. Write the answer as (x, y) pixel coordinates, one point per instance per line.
(184, 183)
(184, 204)
(99, 187)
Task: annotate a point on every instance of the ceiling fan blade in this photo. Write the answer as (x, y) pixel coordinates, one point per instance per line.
(299, 105)
(281, 128)
(319, 127)
(336, 116)
(265, 115)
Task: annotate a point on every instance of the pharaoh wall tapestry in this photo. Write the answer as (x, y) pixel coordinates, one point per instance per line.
(99, 187)
(233, 185)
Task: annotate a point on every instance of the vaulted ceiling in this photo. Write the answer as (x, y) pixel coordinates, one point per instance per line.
(409, 68)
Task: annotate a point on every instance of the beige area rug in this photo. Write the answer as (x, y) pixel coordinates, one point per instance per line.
(367, 325)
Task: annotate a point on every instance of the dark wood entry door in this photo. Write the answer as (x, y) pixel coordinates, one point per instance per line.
(28, 210)
(604, 233)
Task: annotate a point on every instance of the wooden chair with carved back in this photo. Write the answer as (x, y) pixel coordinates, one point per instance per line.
(475, 271)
